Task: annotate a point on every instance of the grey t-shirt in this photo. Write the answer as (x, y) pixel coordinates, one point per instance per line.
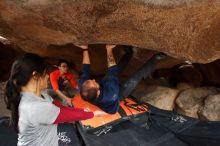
(36, 117)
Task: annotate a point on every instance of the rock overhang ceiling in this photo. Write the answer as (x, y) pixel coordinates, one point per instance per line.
(184, 29)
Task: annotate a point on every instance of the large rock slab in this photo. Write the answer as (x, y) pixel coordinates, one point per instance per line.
(211, 109)
(158, 96)
(190, 101)
(184, 29)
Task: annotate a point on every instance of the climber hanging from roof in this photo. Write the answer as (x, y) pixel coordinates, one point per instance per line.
(107, 93)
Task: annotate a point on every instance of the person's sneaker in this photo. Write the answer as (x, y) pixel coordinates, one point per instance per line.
(160, 55)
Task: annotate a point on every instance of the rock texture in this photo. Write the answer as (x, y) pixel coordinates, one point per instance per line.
(158, 96)
(190, 101)
(211, 109)
(184, 29)
(184, 86)
(3, 109)
(201, 103)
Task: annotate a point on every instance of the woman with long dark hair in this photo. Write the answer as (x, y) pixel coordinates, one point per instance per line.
(34, 114)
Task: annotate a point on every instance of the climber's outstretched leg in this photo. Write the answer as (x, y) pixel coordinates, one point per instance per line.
(145, 70)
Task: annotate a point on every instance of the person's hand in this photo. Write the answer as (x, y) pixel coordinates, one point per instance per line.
(68, 101)
(99, 113)
(110, 46)
(82, 46)
(87, 109)
(66, 82)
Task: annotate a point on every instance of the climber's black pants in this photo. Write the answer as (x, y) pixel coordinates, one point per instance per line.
(145, 70)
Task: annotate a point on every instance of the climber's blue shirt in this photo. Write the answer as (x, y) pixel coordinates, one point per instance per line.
(108, 100)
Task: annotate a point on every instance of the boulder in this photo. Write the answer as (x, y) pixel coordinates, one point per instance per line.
(158, 96)
(184, 86)
(190, 101)
(184, 29)
(211, 109)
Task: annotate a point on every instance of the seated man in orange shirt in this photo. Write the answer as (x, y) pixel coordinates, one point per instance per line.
(62, 82)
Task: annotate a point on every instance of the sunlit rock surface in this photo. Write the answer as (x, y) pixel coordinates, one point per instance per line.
(190, 101)
(211, 109)
(184, 29)
(158, 96)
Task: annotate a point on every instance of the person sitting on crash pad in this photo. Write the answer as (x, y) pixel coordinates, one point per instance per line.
(63, 83)
(107, 93)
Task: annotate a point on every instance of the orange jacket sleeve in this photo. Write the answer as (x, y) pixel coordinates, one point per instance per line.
(54, 81)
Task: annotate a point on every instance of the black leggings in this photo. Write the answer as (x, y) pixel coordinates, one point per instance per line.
(145, 70)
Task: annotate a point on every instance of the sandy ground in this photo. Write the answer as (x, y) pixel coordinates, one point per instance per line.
(3, 110)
